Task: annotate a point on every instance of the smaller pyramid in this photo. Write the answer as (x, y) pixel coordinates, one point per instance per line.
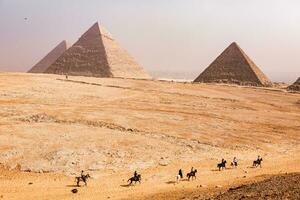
(235, 67)
(295, 86)
(49, 59)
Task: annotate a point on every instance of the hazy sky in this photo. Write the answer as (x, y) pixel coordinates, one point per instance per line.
(163, 35)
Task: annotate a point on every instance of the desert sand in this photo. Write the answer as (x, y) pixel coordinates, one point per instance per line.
(51, 128)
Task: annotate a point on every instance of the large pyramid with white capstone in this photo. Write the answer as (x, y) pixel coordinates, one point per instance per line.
(49, 59)
(234, 66)
(295, 86)
(97, 54)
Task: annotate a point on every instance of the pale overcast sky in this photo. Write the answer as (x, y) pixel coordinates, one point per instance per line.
(163, 35)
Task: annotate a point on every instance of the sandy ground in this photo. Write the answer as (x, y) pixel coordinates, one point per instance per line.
(157, 183)
(111, 127)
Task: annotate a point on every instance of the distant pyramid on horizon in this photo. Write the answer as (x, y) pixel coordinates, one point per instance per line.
(295, 86)
(97, 54)
(234, 66)
(49, 59)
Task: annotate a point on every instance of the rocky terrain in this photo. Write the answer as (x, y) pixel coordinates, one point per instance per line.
(276, 187)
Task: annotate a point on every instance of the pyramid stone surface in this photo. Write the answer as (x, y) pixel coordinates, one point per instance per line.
(234, 66)
(295, 86)
(49, 59)
(97, 54)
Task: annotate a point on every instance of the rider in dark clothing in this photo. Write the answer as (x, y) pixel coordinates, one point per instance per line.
(135, 174)
(180, 173)
(192, 169)
(82, 173)
(258, 158)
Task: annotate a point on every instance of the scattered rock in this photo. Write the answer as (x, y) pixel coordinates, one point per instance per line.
(30, 183)
(218, 186)
(74, 191)
(164, 162)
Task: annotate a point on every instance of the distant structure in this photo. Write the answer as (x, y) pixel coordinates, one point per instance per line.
(235, 67)
(97, 54)
(295, 86)
(49, 59)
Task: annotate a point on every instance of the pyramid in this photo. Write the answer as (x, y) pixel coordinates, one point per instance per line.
(49, 59)
(295, 86)
(234, 66)
(97, 54)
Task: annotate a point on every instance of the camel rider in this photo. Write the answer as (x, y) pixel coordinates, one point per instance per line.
(234, 161)
(180, 173)
(222, 160)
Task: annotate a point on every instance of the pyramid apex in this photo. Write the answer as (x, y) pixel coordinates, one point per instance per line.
(64, 42)
(234, 44)
(98, 29)
(96, 24)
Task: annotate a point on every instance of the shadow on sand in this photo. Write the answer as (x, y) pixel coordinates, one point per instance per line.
(72, 185)
(184, 179)
(126, 185)
(181, 180)
(171, 182)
